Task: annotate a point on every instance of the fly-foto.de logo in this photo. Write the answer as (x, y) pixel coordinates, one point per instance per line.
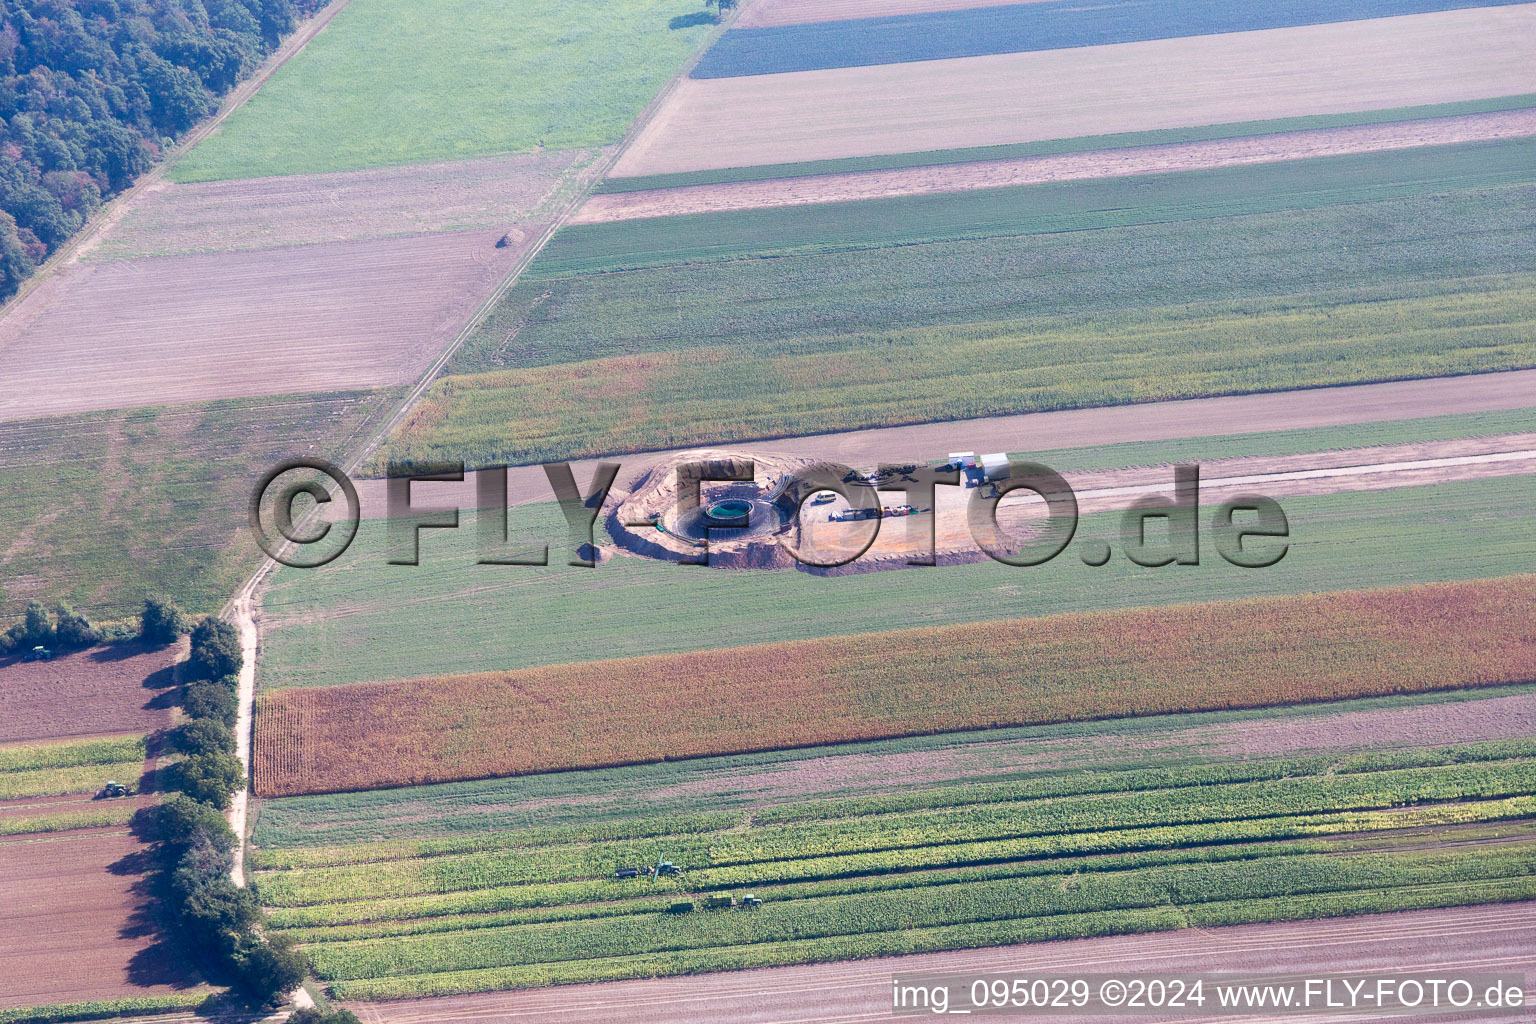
(821, 515)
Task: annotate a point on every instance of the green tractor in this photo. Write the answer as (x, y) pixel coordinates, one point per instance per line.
(112, 790)
(39, 653)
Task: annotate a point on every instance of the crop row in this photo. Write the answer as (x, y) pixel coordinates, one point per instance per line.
(71, 753)
(119, 814)
(1221, 655)
(488, 908)
(915, 908)
(60, 781)
(912, 374)
(1082, 817)
(524, 838)
(903, 868)
(920, 940)
(1123, 781)
(1056, 207)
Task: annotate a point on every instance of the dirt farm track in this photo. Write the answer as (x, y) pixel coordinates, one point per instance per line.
(1499, 938)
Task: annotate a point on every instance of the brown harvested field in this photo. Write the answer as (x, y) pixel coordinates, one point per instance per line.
(255, 213)
(74, 925)
(1055, 94)
(1250, 653)
(913, 181)
(1461, 940)
(763, 13)
(121, 688)
(106, 334)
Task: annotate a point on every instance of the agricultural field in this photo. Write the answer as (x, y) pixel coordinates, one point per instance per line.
(1349, 67)
(964, 312)
(85, 499)
(1121, 161)
(75, 924)
(186, 328)
(95, 692)
(1431, 114)
(1017, 28)
(849, 867)
(899, 682)
(449, 616)
(258, 213)
(464, 79)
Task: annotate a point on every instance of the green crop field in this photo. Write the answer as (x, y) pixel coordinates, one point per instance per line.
(884, 333)
(719, 394)
(1044, 853)
(74, 766)
(1213, 194)
(102, 508)
(397, 82)
(323, 625)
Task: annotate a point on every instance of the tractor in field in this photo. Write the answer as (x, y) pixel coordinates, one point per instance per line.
(751, 902)
(665, 867)
(39, 653)
(112, 790)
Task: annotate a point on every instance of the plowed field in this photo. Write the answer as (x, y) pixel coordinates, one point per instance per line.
(123, 688)
(74, 928)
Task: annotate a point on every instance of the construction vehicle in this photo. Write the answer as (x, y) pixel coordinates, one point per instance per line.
(750, 901)
(626, 873)
(681, 907)
(719, 901)
(112, 789)
(39, 653)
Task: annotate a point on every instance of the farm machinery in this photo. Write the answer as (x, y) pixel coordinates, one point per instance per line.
(112, 790)
(38, 653)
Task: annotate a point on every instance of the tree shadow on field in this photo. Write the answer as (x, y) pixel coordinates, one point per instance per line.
(161, 678)
(690, 20)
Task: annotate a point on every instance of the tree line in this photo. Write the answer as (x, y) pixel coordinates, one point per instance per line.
(93, 92)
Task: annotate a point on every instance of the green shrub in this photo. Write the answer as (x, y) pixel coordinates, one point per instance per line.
(203, 735)
(215, 650)
(211, 699)
(161, 622)
(212, 778)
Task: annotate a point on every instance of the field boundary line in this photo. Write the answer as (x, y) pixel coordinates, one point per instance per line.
(110, 213)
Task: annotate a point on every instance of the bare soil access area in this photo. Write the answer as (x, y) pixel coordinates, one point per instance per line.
(1072, 428)
(1184, 156)
(121, 688)
(74, 926)
(1097, 90)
